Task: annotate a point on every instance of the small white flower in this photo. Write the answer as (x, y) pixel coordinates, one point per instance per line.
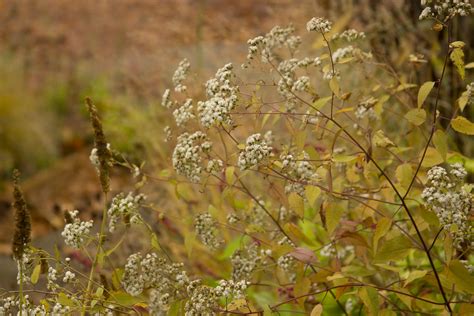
(77, 232)
(320, 25)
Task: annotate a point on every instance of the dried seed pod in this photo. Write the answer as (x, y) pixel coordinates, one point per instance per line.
(22, 236)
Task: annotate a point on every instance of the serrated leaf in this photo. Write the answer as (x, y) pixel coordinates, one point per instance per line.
(35, 274)
(457, 57)
(424, 91)
(463, 125)
(416, 116)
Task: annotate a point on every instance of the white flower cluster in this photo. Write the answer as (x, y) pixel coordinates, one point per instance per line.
(202, 300)
(342, 52)
(287, 264)
(470, 93)
(320, 25)
(222, 99)
(244, 262)
(69, 277)
(125, 206)
(299, 171)
(366, 109)
(256, 149)
(445, 9)
(25, 266)
(180, 75)
(187, 154)
(445, 195)
(94, 158)
(168, 133)
(289, 83)
(52, 278)
(10, 305)
(349, 35)
(132, 280)
(59, 310)
(268, 44)
(206, 230)
(230, 289)
(166, 100)
(184, 113)
(214, 166)
(76, 232)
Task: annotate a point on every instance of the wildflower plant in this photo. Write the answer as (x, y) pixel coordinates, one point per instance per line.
(314, 182)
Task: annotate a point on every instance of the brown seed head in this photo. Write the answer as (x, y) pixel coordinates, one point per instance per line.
(22, 235)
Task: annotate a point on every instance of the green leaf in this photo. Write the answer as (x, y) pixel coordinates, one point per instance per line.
(296, 204)
(404, 174)
(441, 143)
(64, 300)
(432, 158)
(312, 193)
(380, 140)
(393, 249)
(125, 299)
(460, 277)
(413, 275)
(334, 85)
(318, 104)
(317, 310)
(383, 226)
(301, 288)
(369, 296)
(229, 175)
(334, 213)
(457, 57)
(462, 101)
(416, 116)
(463, 125)
(36, 273)
(424, 91)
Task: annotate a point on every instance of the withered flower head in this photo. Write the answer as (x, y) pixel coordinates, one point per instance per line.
(103, 152)
(22, 236)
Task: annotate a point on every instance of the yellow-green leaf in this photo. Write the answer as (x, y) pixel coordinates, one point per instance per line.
(319, 103)
(369, 296)
(383, 226)
(424, 91)
(317, 310)
(432, 158)
(229, 175)
(380, 140)
(334, 85)
(416, 116)
(441, 143)
(460, 276)
(463, 125)
(404, 174)
(312, 193)
(296, 204)
(334, 213)
(417, 274)
(457, 57)
(393, 249)
(36, 273)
